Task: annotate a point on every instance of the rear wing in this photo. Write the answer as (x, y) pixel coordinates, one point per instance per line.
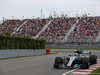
(86, 52)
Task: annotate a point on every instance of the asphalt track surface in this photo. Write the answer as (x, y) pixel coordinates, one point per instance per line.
(36, 65)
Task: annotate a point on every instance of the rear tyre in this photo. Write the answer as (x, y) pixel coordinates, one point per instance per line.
(58, 62)
(93, 59)
(85, 63)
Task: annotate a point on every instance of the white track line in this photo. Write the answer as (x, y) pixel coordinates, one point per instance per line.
(92, 68)
(80, 72)
(69, 72)
(85, 70)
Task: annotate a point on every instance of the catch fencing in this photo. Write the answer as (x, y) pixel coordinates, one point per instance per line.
(89, 45)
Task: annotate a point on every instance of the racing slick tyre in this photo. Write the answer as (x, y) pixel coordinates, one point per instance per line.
(85, 63)
(58, 62)
(93, 59)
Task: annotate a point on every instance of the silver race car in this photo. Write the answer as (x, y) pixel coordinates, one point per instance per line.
(80, 59)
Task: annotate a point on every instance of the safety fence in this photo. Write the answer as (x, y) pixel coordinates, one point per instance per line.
(91, 45)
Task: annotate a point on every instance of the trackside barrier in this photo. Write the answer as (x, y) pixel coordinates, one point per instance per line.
(47, 51)
(20, 52)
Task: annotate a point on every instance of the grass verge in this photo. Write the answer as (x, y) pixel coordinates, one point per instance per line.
(27, 56)
(95, 72)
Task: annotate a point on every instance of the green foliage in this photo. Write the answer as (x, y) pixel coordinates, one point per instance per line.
(37, 41)
(34, 44)
(95, 72)
(26, 37)
(42, 43)
(8, 42)
(7, 34)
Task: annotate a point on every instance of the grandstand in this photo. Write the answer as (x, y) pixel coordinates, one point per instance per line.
(57, 29)
(87, 29)
(31, 27)
(82, 29)
(10, 26)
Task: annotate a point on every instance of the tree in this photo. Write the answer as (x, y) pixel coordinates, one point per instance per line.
(7, 34)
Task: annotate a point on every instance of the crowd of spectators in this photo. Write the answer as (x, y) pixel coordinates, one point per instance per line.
(32, 27)
(86, 30)
(57, 29)
(10, 25)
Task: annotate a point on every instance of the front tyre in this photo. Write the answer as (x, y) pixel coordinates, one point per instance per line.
(58, 62)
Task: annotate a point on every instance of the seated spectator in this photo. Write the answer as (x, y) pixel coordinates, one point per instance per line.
(58, 29)
(32, 27)
(10, 25)
(87, 29)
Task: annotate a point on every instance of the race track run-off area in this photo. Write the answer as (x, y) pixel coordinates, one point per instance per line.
(41, 65)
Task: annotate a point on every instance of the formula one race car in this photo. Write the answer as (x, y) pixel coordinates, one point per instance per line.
(79, 59)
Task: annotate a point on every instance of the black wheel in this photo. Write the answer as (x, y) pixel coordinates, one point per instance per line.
(93, 59)
(85, 63)
(58, 62)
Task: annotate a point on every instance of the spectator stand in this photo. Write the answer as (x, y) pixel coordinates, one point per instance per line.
(86, 30)
(57, 29)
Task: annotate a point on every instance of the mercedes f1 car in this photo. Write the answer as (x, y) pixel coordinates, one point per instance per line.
(80, 59)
